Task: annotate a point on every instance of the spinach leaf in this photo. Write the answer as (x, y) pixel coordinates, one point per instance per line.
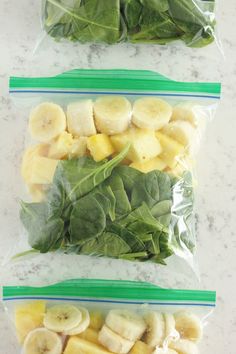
(108, 244)
(136, 245)
(128, 176)
(151, 188)
(132, 12)
(86, 21)
(156, 5)
(79, 177)
(44, 233)
(122, 205)
(87, 220)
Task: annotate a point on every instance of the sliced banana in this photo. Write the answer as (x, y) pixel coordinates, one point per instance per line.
(155, 334)
(61, 318)
(112, 114)
(181, 131)
(47, 121)
(83, 324)
(170, 331)
(184, 346)
(151, 113)
(80, 120)
(188, 325)
(126, 323)
(42, 341)
(114, 342)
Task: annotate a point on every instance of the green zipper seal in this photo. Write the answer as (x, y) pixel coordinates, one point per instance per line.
(112, 80)
(110, 289)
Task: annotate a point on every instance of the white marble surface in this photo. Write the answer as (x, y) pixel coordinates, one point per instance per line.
(216, 208)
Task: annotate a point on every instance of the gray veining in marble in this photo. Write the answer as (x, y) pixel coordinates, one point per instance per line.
(216, 208)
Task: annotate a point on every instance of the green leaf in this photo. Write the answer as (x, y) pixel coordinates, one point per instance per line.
(128, 176)
(122, 205)
(132, 12)
(151, 188)
(107, 244)
(86, 21)
(44, 233)
(156, 5)
(81, 176)
(135, 244)
(88, 220)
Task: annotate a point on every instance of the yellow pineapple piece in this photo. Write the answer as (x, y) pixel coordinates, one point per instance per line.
(42, 170)
(90, 335)
(151, 165)
(96, 320)
(100, 146)
(78, 345)
(60, 147)
(171, 149)
(78, 148)
(29, 154)
(141, 348)
(28, 317)
(144, 144)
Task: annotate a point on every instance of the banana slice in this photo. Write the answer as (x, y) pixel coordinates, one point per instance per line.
(188, 325)
(41, 340)
(151, 113)
(47, 121)
(155, 329)
(190, 112)
(181, 131)
(113, 341)
(170, 331)
(126, 323)
(83, 324)
(62, 318)
(112, 114)
(184, 346)
(80, 121)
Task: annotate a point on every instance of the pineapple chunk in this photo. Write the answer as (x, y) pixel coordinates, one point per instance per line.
(144, 144)
(42, 170)
(28, 317)
(151, 165)
(29, 154)
(100, 146)
(141, 348)
(96, 320)
(59, 149)
(90, 335)
(77, 345)
(65, 146)
(78, 148)
(171, 149)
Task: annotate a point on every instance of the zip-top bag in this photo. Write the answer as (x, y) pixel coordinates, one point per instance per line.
(102, 317)
(192, 22)
(110, 170)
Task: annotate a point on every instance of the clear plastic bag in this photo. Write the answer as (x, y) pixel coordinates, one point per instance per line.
(112, 177)
(138, 21)
(100, 317)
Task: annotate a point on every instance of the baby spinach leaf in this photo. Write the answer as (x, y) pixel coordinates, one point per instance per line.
(107, 244)
(156, 5)
(151, 188)
(128, 176)
(86, 21)
(79, 177)
(88, 220)
(122, 205)
(136, 245)
(44, 233)
(132, 12)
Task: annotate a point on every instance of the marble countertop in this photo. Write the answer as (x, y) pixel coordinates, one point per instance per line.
(216, 202)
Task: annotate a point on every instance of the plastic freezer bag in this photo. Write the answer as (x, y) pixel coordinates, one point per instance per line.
(109, 172)
(138, 21)
(101, 317)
